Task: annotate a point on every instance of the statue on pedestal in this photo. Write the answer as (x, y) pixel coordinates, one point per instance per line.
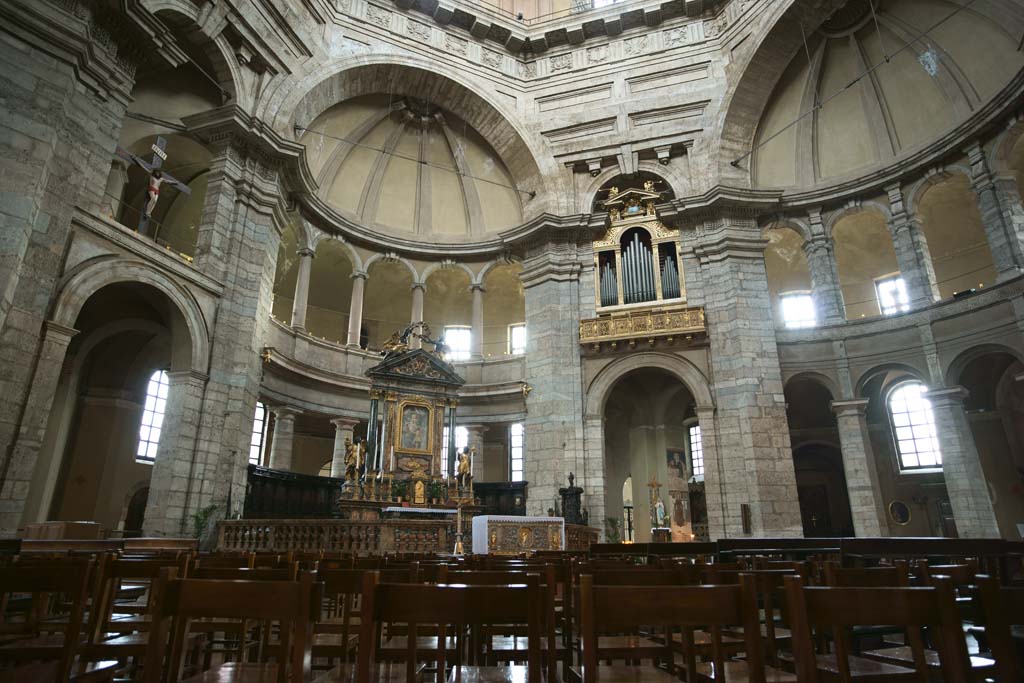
(659, 513)
(464, 474)
(572, 503)
(351, 461)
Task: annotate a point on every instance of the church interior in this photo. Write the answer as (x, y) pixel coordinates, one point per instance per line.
(503, 341)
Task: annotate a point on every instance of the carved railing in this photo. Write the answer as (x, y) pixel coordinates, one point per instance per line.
(579, 537)
(360, 537)
(643, 325)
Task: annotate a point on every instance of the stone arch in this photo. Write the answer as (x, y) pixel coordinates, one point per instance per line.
(1001, 148)
(819, 378)
(853, 208)
(190, 351)
(920, 374)
(913, 197)
(481, 277)
(296, 102)
(184, 19)
(350, 251)
(798, 225)
(761, 65)
(393, 259)
(438, 265)
(954, 370)
(685, 371)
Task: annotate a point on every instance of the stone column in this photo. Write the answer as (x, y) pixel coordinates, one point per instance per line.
(709, 446)
(475, 439)
(477, 349)
(343, 429)
(554, 437)
(284, 438)
(821, 261)
(866, 503)
(912, 254)
(355, 308)
(965, 479)
(301, 299)
(418, 288)
(753, 463)
(175, 468)
(114, 191)
(15, 482)
(1001, 215)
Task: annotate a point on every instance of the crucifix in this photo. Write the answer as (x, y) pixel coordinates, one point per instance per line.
(156, 178)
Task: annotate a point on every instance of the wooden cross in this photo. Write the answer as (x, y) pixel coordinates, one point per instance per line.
(159, 156)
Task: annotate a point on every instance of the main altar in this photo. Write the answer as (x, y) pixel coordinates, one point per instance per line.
(405, 489)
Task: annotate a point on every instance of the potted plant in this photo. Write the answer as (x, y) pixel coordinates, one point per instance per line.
(399, 489)
(435, 491)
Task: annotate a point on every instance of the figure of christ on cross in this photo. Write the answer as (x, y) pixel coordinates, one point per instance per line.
(156, 178)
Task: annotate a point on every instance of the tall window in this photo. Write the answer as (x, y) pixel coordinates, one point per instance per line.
(892, 295)
(461, 441)
(798, 310)
(696, 453)
(516, 441)
(913, 424)
(459, 340)
(152, 417)
(517, 339)
(259, 430)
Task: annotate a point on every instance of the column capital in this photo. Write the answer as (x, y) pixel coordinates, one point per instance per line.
(477, 287)
(422, 286)
(706, 410)
(54, 330)
(476, 429)
(306, 251)
(285, 412)
(857, 406)
(186, 377)
(343, 423)
(947, 395)
(359, 275)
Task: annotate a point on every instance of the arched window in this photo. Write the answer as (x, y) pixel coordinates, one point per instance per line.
(152, 417)
(913, 425)
(259, 432)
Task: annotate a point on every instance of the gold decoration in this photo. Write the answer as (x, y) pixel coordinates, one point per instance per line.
(641, 325)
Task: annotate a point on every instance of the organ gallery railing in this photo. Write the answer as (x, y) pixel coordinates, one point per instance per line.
(644, 325)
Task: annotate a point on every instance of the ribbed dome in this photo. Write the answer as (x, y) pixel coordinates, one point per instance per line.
(924, 91)
(407, 166)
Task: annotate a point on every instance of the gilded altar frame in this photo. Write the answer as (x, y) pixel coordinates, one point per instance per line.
(400, 426)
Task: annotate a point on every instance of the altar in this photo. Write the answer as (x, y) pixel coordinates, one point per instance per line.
(507, 535)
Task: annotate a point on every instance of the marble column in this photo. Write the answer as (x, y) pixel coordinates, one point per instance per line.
(477, 348)
(965, 478)
(418, 289)
(299, 303)
(1001, 215)
(284, 438)
(343, 429)
(355, 309)
(866, 502)
(912, 254)
(821, 261)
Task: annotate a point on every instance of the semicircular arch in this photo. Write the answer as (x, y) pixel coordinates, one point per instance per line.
(683, 370)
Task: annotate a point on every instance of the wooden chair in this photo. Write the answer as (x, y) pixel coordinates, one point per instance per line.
(289, 603)
(1002, 609)
(448, 609)
(28, 653)
(815, 609)
(629, 608)
(336, 628)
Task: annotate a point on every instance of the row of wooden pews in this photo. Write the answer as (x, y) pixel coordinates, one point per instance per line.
(170, 614)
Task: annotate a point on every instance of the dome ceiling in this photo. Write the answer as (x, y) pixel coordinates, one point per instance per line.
(405, 166)
(922, 92)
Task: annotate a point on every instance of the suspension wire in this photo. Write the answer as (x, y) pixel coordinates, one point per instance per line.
(916, 38)
(425, 162)
(878, 30)
(173, 125)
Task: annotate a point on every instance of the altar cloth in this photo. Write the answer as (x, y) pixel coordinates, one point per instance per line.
(506, 534)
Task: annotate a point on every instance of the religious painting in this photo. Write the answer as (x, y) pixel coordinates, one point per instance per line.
(414, 428)
(676, 460)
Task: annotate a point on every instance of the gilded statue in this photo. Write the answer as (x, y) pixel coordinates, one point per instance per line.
(464, 473)
(351, 460)
(396, 343)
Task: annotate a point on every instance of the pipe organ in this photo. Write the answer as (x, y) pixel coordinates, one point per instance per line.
(637, 259)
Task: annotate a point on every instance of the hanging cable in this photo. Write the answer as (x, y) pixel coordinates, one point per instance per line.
(878, 30)
(818, 105)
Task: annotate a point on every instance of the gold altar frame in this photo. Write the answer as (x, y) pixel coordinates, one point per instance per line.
(399, 427)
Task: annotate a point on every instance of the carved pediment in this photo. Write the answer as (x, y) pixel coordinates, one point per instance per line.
(417, 365)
